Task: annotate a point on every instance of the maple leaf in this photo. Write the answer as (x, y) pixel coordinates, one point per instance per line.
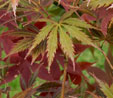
(41, 36)
(52, 46)
(40, 49)
(107, 90)
(100, 3)
(78, 34)
(24, 43)
(66, 44)
(49, 32)
(22, 33)
(21, 46)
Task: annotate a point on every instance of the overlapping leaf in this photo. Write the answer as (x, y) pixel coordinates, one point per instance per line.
(40, 49)
(22, 34)
(67, 28)
(67, 15)
(100, 3)
(78, 34)
(77, 22)
(41, 36)
(21, 45)
(107, 90)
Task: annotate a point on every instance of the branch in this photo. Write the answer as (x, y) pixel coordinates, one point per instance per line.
(64, 79)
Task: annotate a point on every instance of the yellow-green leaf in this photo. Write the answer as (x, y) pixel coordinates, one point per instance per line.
(4, 4)
(78, 34)
(38, 50)
(77, 22)
(67, 14)
(107, 90)
(66, 44)
(21, 45)
(41, 36)
(100, 3)
(22, 34)
(52, 46)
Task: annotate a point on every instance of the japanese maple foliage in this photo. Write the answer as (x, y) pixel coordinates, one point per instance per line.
(45, 40)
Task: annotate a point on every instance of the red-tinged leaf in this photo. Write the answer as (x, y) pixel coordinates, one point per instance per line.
(23, 83)
(108, 69)
(55, 71)
(80, 48)
(59, 57)
(15, 59)
(90, 87)
(48, 86)
(88, 18)
(70, 68)
(40, 25)
(5, 15)
(46, 3)
(22, 54)
(21, 67)
(64, 3)
(25, 73)
(102, 14)
(43, 74)
(105, 19)
(46, 95)
(100, 74)
(11, 74)
(36, 66)
(84, 65)
(7, 43)
(75, 78)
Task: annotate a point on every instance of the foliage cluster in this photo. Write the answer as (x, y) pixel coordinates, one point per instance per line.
(45, 38)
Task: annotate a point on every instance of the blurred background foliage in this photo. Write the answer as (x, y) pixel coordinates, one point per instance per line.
(88, 55)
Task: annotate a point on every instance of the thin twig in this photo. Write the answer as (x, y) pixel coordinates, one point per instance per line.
(107, 59)
(16, 18)
(64, 79)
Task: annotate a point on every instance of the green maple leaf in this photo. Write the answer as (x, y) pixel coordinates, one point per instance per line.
(41, 36)
(66, 44)
(78, 34)
(21, 45)
(39, 49)
(52, 45)
(106, 89)
(66, 29)
(22, 34)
